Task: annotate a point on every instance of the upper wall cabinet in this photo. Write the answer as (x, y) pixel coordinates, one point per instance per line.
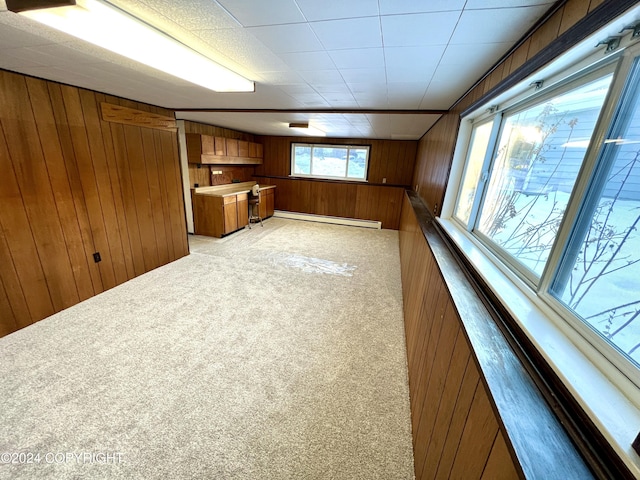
(210, 150)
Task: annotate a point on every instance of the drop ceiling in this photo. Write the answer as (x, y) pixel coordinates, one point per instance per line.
(305, 56)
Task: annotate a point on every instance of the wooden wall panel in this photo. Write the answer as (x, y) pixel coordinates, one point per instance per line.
(433, 161)
(455, 430)
(348, 200)
(436, 147)
(54, 159)
(390, 160)
(25, 151)
(73, 184)
(8, 324)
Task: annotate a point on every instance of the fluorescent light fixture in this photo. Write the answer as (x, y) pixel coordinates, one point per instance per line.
(114, 30)
(306, 129)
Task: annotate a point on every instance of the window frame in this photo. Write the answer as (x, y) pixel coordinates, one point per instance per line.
(347, 147)
(539, 291)
(571, 82)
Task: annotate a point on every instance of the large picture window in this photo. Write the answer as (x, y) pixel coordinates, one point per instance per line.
(338, 162)
(551, 186)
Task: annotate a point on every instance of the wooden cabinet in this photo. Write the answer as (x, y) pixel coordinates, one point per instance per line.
(230, 210)
(242, 201)
(267, 202)
(210, 150)
(216, 216)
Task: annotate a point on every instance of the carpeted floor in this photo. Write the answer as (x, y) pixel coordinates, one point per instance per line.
(277, 352)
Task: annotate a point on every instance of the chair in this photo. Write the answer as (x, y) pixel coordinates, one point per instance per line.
(254, 205)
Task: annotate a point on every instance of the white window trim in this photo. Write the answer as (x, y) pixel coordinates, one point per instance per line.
(327, 177)
(608, 397)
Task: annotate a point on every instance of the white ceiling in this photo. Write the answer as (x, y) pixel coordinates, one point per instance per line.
(302, 54)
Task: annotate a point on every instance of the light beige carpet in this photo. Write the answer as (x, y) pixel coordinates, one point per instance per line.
(274, 353)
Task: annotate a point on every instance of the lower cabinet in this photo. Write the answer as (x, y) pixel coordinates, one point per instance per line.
(267, 202)
(216, 216)
(242, 201)
(230, 207)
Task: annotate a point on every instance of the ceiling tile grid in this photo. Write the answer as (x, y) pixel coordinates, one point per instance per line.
(302, 54)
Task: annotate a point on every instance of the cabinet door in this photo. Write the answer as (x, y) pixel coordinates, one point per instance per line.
(270, 201)
(243, 148)
(230, 214)
(262, 208)
(243, 209)
(207, 145)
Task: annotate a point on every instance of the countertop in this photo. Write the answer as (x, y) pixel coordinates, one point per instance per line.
(228, 189)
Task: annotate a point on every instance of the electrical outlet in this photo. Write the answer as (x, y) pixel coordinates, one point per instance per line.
(384, 180)
(96, 257)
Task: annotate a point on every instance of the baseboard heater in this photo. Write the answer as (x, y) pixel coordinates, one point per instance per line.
(354, 222)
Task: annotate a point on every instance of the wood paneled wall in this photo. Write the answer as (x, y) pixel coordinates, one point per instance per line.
(350, 200)
(392, 160)
(455, 431)
(201, 174)
(436, 147)
(73, 184)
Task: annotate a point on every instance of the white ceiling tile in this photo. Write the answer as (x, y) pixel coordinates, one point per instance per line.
(399, 57)
(288, 77)
(333, 98)
(322, 77)
(443, 93)
(336, 61)
(240, 48)
(481, 4)
(358, 58)
(472, 27)
(363, 75)
(332, 88)
(483, 53)
(287, 38)
(335, 9)
(308, 97)
(169, 14)
(419, 29)
(368, 87)
(308, 60)
(406, 94)
(406, 127)
(350, 33)
(388, 7)
(251, 13)
(372, 101)
(416, 72)
(296, 89)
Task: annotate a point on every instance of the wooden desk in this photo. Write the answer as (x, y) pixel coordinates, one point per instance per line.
(223, 209)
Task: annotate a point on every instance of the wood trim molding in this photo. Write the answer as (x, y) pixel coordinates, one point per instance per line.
(556, 424)
(328, 180)
(596, 19)
(130, 116)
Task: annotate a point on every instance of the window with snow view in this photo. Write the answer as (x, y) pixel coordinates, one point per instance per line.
(339, 162)
(551, 187)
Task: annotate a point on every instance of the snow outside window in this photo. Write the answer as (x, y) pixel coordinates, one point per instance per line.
(339, 162)
(551, 186)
